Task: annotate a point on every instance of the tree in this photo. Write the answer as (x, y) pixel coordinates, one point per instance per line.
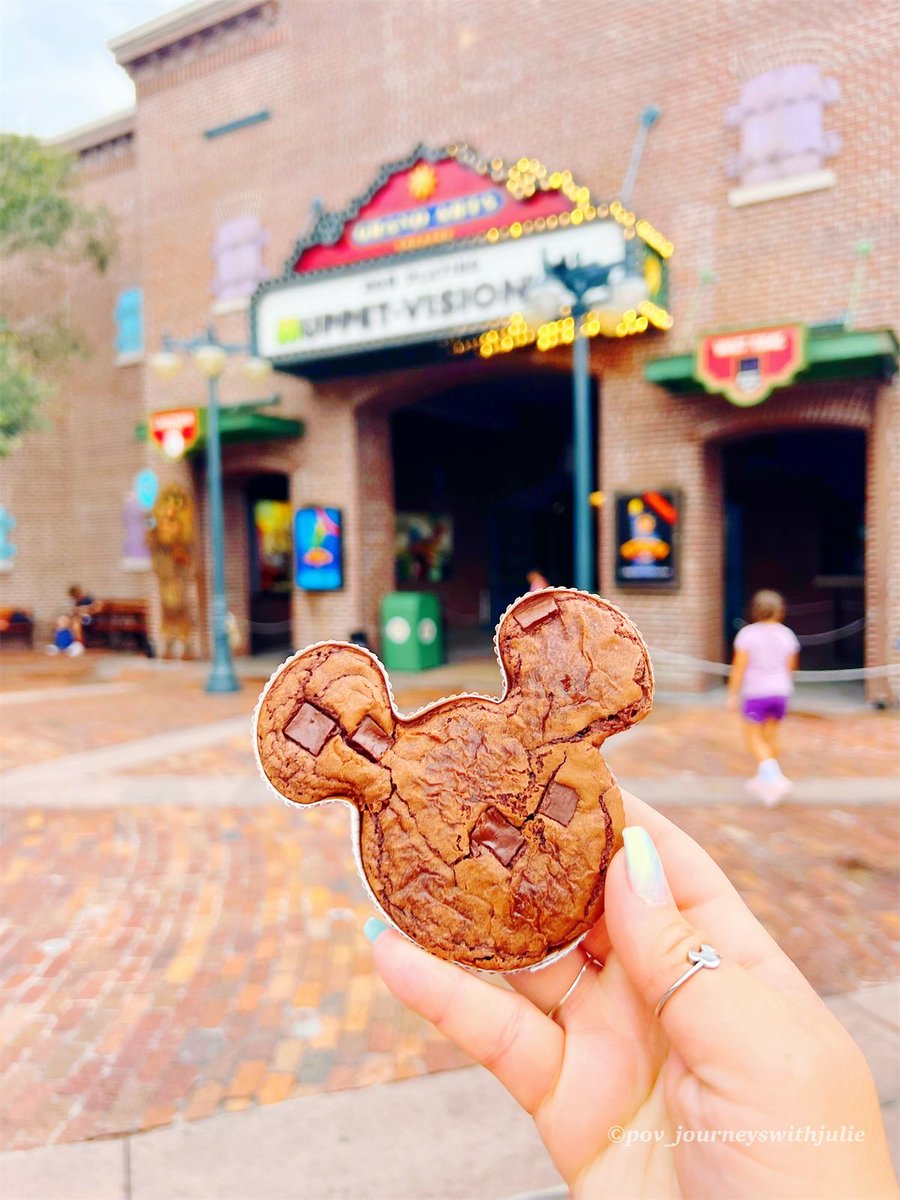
(41, 214)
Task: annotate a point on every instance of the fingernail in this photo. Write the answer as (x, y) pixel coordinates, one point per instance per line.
(645, 871)
(373, 927)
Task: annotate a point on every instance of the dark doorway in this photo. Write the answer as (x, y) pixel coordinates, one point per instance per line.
(270, 564)
(795, 522)
(482, 491)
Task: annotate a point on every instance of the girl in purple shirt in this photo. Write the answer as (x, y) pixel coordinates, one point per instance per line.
(765, 657)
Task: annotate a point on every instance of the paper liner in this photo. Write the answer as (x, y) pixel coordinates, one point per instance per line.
(355, 824)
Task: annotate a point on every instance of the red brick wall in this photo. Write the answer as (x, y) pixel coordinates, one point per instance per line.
(65, 485)
(350, 85)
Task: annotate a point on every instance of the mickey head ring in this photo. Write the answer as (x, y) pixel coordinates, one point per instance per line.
(706, 956)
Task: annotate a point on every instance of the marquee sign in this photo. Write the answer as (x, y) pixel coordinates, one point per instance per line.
(445, 245)
(745, 367)
(174, 430)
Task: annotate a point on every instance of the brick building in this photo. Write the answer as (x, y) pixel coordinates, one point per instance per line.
(254, 162)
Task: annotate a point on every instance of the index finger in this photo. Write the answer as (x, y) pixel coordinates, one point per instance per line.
(499, 1028)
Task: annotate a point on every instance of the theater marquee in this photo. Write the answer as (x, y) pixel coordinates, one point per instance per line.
(443, 246)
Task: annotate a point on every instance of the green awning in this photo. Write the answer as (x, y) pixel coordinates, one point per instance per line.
(831, 354)
(239, 423)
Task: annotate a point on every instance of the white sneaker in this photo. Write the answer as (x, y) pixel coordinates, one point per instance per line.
(768, 792)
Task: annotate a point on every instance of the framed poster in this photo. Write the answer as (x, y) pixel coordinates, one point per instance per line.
(647, 536)
(318, 549)
(272, 526)
(423, 547)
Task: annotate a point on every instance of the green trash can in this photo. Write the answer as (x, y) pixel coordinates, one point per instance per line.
(411, 635)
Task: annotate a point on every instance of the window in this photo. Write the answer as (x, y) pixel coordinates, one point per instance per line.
(781, 118)
(8, 551)
(237, 252)
(135, 551)
(129, 315)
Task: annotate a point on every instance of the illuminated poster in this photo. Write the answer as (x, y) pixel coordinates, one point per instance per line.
(647, 539)
(317, 546)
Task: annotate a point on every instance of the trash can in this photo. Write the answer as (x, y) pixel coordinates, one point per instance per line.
(411, 635)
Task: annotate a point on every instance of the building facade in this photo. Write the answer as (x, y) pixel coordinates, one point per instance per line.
(749, 436)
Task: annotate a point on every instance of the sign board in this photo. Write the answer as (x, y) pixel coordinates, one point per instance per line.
(448, 294)
(174, 430)
(746, 366)
(647, 529)
(318, 549)
(445, 245)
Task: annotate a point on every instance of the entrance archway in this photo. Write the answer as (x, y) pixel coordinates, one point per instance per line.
(483, 495)
(795, 522)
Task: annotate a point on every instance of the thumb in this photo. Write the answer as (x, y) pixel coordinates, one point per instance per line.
(711, 1017)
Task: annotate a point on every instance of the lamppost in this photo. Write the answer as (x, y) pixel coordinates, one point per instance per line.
(583, 285)
(209, 356)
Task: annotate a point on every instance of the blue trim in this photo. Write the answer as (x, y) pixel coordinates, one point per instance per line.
(253, 119)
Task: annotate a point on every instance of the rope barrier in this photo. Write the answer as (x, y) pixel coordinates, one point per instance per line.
(888, 671)
(843, 675)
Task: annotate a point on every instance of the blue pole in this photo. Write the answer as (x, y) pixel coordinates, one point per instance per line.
(582, 454)
(221, 677)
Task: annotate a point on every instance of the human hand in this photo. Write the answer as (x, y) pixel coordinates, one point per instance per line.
(732, 703)
(746, 1047)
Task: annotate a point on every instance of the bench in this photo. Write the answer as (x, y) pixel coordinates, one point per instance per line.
(17, 623)
(115, 624)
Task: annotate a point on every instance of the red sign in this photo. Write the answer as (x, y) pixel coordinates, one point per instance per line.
(745, 367)
(175, 430)
(429, 204)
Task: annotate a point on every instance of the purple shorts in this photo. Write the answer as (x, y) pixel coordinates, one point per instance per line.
(765, 708)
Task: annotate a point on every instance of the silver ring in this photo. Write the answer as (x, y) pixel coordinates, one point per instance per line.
(706, 956)
(591, 962)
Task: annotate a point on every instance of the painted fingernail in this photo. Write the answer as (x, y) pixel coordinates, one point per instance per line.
(373, 927)
(645, 871)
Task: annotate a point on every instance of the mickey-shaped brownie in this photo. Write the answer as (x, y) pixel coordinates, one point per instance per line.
(485, 826)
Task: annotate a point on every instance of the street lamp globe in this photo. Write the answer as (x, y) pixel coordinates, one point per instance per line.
(166, 365)
(544, 302)
(210, 360)
(256, 369)
(627, 292)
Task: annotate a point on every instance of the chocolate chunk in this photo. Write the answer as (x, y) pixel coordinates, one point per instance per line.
(371, 740)
(495, 833)
(310, 728)
(536, 610)
(559, 803)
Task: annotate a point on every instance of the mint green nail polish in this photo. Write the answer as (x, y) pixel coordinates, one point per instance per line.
(373, 927)
(645, 871)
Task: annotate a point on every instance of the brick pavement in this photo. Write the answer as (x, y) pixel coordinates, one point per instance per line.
(171, 961)
(168, 961)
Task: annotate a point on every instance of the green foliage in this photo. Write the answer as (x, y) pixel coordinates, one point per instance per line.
(39, 206)
(22, 396)
(41, 214)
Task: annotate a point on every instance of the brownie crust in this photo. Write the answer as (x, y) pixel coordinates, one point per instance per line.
(486, 826)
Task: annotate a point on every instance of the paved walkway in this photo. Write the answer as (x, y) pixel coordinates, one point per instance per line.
(175, 945)
(456, 1135)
